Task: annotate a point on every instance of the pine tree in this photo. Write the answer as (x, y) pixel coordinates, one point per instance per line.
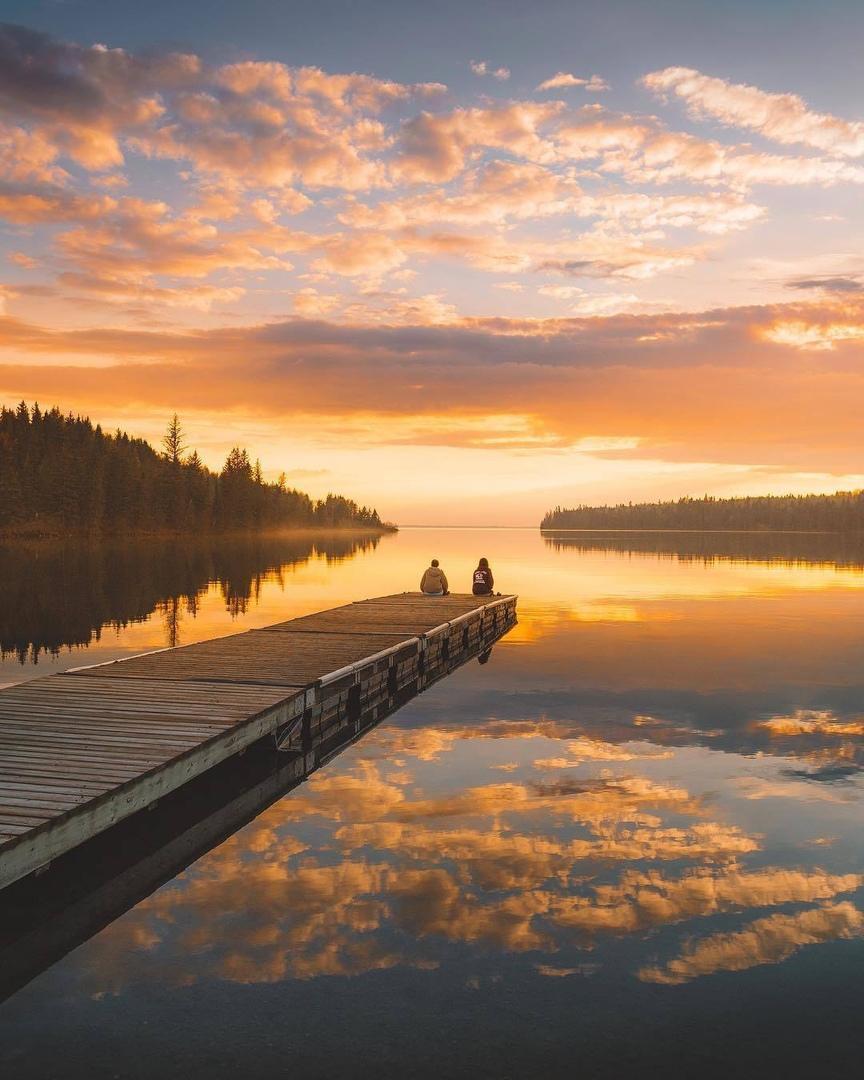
(174, 440)
(60, 472)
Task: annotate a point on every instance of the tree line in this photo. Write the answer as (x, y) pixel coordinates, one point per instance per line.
(60, 472)
(842, 512)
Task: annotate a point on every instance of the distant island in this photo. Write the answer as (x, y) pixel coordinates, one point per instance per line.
(842, 512)
(60, 475)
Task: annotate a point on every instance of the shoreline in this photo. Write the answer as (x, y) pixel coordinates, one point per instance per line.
(29, 535)
(713, 532)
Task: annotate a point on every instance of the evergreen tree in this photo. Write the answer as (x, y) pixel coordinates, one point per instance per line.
(842, 512)
(60, 472)
(174, 440)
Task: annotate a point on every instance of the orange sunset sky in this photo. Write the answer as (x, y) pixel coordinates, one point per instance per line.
(462, 262)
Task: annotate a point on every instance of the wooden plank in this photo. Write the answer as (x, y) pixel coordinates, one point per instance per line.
(59, 734)
(83, 749)
(47, 751)
(16, 816)
(37, 802)
(228, 696)
(70, 722)
(59, 786)
(156, 722)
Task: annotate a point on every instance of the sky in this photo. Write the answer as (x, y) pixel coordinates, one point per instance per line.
(461, 261)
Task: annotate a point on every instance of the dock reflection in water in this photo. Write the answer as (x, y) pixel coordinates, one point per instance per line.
(46, 914)
(630, 844)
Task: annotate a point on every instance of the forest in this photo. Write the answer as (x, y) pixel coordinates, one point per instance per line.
(842, 512)
(60, 474)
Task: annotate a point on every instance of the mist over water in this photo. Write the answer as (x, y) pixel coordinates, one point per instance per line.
(630, 842)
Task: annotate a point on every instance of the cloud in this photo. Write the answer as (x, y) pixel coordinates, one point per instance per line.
(584, 749)
(419, 213)
(827, 284)
(389, 308)
(22, 259)
(310, 303)
(84, 96)
(435, 147)
(249, 141)
(22, 205)
(783, 118)
(765, 941)
(817, 336)
(263, 123)
(639, 900)
(502, 191)
(564, 79)
(810, 722)
(29, 157)
(133, 239)
(480, 67)
(625, 371)
(643, 153)
(138, 294)
(561, 292)
(551, 971)
(438, 147)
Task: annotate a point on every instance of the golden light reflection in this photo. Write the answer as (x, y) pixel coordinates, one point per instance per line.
(757, 788)
(810, 722)
(429, 743)
(554, 972)
(639, 900)
(460, 833)
(498, 866)
(265, 906)
(584, 749)
(765, 941)
(724, 621)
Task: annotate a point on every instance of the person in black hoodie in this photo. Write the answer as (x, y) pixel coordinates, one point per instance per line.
(483, 580)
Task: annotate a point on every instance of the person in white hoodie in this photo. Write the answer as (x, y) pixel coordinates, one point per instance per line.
(434, 581)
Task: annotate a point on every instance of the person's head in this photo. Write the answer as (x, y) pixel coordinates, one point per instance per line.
(483, 564)
(434, 562)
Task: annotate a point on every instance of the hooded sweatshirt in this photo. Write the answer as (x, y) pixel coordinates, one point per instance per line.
(434, 581)
(483, 582)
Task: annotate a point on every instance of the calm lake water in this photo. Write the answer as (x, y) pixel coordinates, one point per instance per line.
(630, 844)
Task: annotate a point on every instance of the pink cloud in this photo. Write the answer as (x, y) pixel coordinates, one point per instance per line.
(562, 80)
(501, 191)
(435, 148)
(784, 118)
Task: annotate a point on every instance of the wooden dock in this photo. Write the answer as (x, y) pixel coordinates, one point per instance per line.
(82, 750)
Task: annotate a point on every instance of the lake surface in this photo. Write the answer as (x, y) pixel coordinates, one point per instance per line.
(629, 844)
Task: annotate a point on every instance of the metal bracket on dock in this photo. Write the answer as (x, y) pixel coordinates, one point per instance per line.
(284, 736)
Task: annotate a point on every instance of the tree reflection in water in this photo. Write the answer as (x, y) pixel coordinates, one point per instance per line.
(56, 596)
(790, 549)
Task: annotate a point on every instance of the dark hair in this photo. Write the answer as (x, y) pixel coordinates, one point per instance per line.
(434, 562)
(484, 564)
